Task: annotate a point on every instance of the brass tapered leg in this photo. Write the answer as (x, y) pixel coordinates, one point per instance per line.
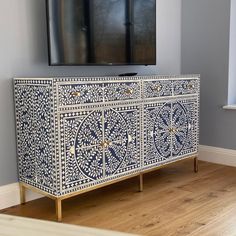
(140, 182)
(195, 164)
(58, 209)
(22, 194)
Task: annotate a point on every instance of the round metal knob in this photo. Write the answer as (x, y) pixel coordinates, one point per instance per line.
(76, 94)
(191, 86)
(170, 130)
(72, 150)
(129, 91)
(173, 130)
(105, 144)
(158, 88)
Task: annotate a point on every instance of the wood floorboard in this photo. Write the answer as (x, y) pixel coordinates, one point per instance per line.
(175, 202)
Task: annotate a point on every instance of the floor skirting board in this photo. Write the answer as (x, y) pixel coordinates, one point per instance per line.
(217, 155)
(9, 194)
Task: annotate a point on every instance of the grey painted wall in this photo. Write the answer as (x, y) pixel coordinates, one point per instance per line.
(205, 50)
(23, 53)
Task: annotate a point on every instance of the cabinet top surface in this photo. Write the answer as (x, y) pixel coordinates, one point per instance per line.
(118, 78)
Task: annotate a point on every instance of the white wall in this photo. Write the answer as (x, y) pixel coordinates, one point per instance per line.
(23, 53)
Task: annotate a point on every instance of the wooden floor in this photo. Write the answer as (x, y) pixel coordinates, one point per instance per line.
(175, 201)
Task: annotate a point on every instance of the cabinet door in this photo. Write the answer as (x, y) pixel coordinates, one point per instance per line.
(184, 127)
(170, 130)
(157, 133)
(98, 145)
(81, 136)
(122, 140)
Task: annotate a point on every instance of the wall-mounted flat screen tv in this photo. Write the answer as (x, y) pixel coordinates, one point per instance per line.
(101, 32)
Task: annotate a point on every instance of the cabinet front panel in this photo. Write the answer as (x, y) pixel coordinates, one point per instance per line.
(158, 88)
(119, 91)
(87, 144)
(75, 94)
(179, 127)
(97, 145)
(185, 127)
(157, 132)
(170, 130)
(80, 144)
(122, 134)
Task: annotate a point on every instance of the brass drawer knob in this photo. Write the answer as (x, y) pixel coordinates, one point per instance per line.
(105, 144)
(157, 88)
(72, 150)
(76, 94)
(173, 130)
(191, 86)
(129, 91)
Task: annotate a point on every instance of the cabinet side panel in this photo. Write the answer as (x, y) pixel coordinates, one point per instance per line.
(35, 135)
(25, 132)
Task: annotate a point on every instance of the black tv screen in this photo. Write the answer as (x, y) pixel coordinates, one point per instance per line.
(101, 32)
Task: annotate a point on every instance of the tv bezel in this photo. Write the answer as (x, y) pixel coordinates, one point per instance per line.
(93, 64)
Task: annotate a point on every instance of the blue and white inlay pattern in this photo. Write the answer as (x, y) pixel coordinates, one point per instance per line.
(170, 130)
(99, 144)
(34, 135)
(75, 133)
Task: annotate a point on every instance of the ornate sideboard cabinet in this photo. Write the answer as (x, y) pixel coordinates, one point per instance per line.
(78, 134)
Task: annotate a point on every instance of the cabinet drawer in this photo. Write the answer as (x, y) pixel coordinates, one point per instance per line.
(117, 91)
(72, 94)
(159, 88)
(181, 87)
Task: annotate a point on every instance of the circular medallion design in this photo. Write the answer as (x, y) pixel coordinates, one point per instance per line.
(170, 129)
(101, 141)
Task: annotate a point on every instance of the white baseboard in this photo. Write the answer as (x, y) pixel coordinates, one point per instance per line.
(10, 195)
(217, 155)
